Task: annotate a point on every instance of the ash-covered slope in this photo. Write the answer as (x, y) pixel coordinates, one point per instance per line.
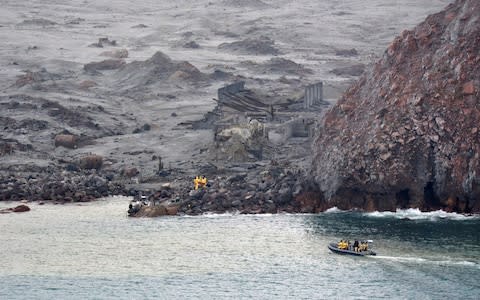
(157, 69)
(407, 133)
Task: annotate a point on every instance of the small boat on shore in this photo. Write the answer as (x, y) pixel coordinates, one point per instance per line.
(350, 249)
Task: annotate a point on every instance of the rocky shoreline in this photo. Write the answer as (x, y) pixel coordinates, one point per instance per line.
(58, 187)
(250, 189)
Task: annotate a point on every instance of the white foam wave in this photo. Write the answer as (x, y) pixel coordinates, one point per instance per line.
(416, 214)
(334, 210)
(421, 260)
(212, 215)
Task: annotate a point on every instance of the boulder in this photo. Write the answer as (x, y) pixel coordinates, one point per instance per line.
(19, 208)
(151, 211)
(66, 140)
(91, 162)
(129, 172)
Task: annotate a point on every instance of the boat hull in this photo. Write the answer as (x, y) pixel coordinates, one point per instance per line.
(334, 248)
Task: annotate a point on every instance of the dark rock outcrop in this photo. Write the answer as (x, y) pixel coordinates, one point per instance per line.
(19, 208)
(407, 133)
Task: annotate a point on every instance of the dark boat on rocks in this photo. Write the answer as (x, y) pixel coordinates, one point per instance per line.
(334, 247)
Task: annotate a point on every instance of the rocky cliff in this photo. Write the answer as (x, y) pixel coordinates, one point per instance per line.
(407, 133)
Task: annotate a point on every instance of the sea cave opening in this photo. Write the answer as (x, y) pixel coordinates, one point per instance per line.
(403, 198)
(431, 201)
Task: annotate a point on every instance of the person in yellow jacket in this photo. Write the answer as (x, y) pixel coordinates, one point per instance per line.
(196, 182)
(200, 182)
(204, 181)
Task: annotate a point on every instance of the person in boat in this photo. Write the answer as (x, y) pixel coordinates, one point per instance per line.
(363, 246)
(344, 245)
(355, 246)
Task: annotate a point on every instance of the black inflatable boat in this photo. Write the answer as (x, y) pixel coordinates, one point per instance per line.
(349, 251)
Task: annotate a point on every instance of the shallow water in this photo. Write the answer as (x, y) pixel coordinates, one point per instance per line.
(94, 251)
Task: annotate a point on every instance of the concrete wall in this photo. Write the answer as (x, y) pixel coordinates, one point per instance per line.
(299, 128)
(313, 95)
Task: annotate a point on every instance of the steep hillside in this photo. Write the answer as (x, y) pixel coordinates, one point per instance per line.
(407, 133)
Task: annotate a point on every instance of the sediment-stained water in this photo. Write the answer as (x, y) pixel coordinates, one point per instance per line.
(93, 251)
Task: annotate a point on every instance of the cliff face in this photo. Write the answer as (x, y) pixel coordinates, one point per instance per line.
(407, 133)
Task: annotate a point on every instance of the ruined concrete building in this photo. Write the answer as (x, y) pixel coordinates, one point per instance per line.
(248, 127)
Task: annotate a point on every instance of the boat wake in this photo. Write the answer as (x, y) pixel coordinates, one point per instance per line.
(419, 260)
(416, 214)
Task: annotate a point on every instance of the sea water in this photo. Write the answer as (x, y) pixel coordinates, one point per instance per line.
(93, 251)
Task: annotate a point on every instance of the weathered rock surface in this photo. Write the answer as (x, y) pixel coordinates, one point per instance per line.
(407, 133)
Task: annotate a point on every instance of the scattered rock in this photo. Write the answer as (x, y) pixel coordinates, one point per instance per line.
(86, 84)
(118, 53)
(74, 21)
(130, 172)
(257, 4)
(108, 64)
(37, 22)
(102, 42)
(354, 70)
(140, 26)
(279, 65)
(21, 208)
(191, 45)
(36, 77)
(91, 162)
(256, 46)
(346, 52)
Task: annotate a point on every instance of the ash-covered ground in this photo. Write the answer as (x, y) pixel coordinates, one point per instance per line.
(125, 77)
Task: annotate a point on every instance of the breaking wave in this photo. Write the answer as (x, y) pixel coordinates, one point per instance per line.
(334, 210)
(416, 214)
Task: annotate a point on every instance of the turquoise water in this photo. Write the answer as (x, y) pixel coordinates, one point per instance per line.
(93, 251)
